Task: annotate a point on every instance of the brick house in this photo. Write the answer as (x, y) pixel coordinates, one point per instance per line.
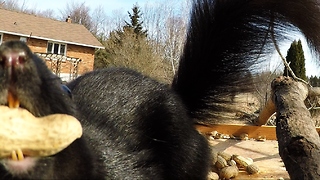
(67, 48)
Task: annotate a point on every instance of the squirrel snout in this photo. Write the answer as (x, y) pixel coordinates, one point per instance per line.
(13, 59)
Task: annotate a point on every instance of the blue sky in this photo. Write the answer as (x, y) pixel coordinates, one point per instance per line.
(108, 5)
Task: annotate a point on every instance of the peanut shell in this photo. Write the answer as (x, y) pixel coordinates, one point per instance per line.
(36, 136)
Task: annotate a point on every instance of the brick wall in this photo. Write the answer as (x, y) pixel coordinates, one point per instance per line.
(86, 54)
(8, 37)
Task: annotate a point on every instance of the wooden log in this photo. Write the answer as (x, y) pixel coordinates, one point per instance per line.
(299, 142)
(266, 112)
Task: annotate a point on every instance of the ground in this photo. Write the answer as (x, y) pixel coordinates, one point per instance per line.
(264, 153)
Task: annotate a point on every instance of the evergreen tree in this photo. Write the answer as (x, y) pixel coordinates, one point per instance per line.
(295, 57)
(129, 47)
(311, 80)
(316, 82)
(135, 22)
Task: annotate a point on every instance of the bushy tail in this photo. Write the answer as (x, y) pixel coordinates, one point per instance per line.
(227, 37)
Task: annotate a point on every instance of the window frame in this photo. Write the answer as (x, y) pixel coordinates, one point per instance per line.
(54, 44)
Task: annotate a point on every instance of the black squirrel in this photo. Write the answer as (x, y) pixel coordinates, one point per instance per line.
(136, 127)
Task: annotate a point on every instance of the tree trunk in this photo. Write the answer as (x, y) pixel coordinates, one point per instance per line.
(299, 142)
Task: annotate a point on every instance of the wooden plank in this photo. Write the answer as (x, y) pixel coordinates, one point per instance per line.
(237, 129)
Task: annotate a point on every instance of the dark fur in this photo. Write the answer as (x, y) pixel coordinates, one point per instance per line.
(142, 118)
(226, 38)
(137, 128)
(40, 92)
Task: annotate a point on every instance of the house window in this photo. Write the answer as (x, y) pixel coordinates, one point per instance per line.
(56, 48)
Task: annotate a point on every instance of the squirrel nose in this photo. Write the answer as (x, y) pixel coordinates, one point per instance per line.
(13, 59)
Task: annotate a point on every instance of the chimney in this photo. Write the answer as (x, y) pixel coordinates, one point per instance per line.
(68, 20)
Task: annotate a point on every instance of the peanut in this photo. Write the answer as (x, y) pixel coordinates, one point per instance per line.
(213, 176)
(225, 155)
(247, 163)
(214, 155)
(221, 162)
(252, 169)
(244, 136)
(242, 161)
(35, 136)
(232, 162)
(229, 172)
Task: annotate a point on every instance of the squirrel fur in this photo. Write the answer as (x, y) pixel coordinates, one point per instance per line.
(137, 128)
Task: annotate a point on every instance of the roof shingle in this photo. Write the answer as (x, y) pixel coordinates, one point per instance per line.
(27, 25)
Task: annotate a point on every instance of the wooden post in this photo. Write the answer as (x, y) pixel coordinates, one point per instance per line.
(299, 142)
